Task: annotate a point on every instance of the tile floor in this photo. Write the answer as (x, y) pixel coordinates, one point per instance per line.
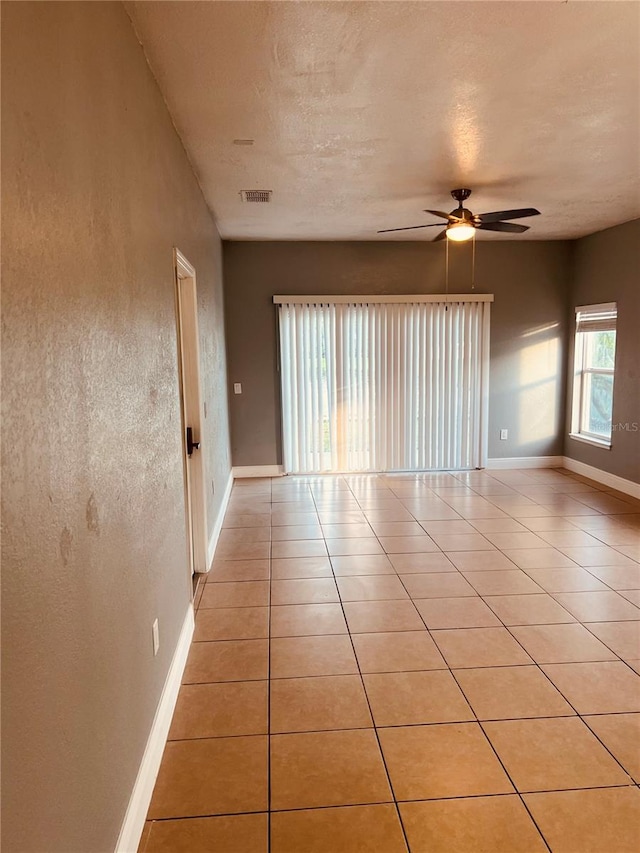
(441, 663)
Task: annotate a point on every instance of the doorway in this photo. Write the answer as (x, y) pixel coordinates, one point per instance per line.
(192, 413)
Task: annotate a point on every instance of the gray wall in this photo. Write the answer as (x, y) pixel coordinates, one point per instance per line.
(96, 191)
(528, 326)
(606, 268)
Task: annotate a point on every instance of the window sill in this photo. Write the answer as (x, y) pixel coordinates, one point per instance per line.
(595, 442)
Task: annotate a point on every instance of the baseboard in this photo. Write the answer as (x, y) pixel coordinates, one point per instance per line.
(257, 471)
(600, 476)
(526, 462)
(217, 527)
(138, 807)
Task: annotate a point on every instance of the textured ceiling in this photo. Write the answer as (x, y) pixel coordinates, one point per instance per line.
(364, 113)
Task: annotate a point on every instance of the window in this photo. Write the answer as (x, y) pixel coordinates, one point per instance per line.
(384, 386)
(595, 352)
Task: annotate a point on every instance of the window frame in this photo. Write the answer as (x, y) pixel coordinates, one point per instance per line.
(601, 317)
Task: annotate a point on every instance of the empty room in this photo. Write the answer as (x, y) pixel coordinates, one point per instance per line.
(320, 426)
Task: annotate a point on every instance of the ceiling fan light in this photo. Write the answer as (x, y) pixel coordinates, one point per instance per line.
(460, 231)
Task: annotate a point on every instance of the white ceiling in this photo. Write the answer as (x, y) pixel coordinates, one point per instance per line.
(365, 113)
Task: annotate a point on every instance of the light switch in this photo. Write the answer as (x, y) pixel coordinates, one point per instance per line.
(504, 434)
(237, 388)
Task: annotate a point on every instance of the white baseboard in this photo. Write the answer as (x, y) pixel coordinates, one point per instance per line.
(600, 476)
(217, 527)
(138, 807)
(526, 462)
(257, 471)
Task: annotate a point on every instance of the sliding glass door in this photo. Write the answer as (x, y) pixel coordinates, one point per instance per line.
(380, 385)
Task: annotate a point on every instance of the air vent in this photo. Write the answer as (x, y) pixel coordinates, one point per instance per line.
(261, 196)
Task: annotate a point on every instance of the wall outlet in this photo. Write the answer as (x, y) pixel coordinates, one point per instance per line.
(504, 434)
(156, 637)
(237, 388)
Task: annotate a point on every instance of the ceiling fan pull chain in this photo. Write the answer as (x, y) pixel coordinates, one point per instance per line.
(446, 271)
(473, 262)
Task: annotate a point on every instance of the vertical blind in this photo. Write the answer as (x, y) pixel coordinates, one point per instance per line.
(380, 386)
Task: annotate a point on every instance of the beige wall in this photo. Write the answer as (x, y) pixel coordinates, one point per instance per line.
(606, 268)
(528, 326)
(96, 192)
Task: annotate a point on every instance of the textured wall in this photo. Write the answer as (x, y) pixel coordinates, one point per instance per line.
(528, 326)
(96, 192)
(606, 268)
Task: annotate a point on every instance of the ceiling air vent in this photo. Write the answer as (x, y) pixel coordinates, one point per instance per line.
(261, 196)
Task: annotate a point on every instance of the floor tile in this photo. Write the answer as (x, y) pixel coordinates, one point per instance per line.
(348, 829)
(220, 710)
(478, 647)
(362, 564)
(240, 535)
(618, 577)
(371, 588)
(553, 754)
(365, 617)
(437, 585)
(540, 525)
(238, 570)
(602, 556)
(397, 528)
(318, 769)
(479, 561)
(448, 527)
(421, 563)
(588, 821)
(317, 704)
(408, 544)
(471, 825)
(243, 551)
(294, 657)
(290, 518)
(463, 542)
(620, 733)
(227, 660)
(597, 688)
(632, 595)
(304, 591)
(456, 613)
(350, 547)
(566, 580)
(236, 594)
(331, 516)
(256, 519)
(570, 539)
(398, 651)
(288, 533)
(302, 548)
(346, 531)
(242, 833)
(287, 568)
(408, 698)
(301, 620)
(517, 540)
(539, 558)
(528, 609)
(212, 776)
(598, 606)
(621, 637)
(232, 623)
(511, 692)
(571, 643)
(501, 583)
(449, 760)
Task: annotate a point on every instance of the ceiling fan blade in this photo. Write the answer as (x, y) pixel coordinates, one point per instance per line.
(511, 227)
(411, 227)
(500, 215)
(440, 213)
(440, 236)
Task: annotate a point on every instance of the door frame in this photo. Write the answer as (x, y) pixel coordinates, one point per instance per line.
(191, 412)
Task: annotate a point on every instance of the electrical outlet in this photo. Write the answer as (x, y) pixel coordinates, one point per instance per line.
(237, 388)
(504, 434)
(156, 637)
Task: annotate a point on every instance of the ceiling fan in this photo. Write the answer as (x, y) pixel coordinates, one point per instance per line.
(462, 224)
